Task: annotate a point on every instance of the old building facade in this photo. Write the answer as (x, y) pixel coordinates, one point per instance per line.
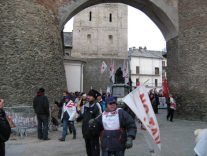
(100, 34)
(146, 68)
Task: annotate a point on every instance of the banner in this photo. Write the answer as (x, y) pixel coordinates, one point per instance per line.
(139, 102)
(165, 89)
(103, 67)
(126, 72)
(200, 148)
(112, 73)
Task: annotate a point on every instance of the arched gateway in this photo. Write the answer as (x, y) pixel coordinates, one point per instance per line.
(31, 47)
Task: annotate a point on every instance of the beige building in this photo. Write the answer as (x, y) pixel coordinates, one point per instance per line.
(101, 32)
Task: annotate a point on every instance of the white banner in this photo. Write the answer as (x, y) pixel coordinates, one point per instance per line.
(126, 71)
(103, 67)
(112, 76)
(139, 102)
(200, 148)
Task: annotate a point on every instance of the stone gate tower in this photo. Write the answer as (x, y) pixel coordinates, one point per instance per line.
(100, 34)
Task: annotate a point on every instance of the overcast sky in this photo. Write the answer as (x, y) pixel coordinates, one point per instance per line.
(141, 31)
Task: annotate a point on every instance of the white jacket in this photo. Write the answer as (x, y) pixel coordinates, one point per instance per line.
(71, 110)
(200, 148)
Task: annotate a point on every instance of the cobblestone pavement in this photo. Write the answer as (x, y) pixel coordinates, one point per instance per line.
(176, 137)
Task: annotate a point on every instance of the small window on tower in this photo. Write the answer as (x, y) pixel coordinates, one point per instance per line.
(90, 16)
(89, 36)
(110, 17)
(110, 37)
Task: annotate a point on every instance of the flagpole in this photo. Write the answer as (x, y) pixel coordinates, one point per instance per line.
(151, 148)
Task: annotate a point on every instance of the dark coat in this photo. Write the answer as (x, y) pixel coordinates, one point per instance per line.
(90, 112)
(115, 140)
(5, 129)
(41, 105)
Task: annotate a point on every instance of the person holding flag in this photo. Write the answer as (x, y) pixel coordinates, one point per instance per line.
(117, 127)
(139, 102)
(68, 117)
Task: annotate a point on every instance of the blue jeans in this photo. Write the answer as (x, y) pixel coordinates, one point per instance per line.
(66, 124)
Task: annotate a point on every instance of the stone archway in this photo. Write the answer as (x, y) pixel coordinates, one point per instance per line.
(31, 48)
(163, 12)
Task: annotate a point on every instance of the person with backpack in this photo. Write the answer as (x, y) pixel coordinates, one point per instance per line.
(5, 129)
(90, 111)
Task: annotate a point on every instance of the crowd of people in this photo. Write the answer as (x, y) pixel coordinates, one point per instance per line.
(105, 127)
(170, 101)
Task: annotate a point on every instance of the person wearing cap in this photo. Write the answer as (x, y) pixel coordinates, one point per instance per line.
(90, 111)
(101, 102)
(60, 105)
(117, 127)
(68, 117)
(41, 108)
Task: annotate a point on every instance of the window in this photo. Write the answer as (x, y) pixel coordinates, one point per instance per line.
(137, 69)
(89, 36)
(156, 82)
(157, 71)
(137, 82)
(163, 63)
(90, 16)
(110, 37)
(110, 17)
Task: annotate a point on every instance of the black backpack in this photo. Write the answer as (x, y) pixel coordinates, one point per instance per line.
(5, 129)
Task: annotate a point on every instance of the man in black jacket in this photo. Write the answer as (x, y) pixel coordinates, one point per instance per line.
(118, 129)
(41, 108)
(90, 111)
(5, 129)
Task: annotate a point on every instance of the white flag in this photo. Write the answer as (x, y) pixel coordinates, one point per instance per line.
(200, 148)
(126, 72)
(138, 101)
(112, 76)
(103, 67)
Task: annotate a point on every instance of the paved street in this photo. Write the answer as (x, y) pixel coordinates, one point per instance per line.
(177, 140)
